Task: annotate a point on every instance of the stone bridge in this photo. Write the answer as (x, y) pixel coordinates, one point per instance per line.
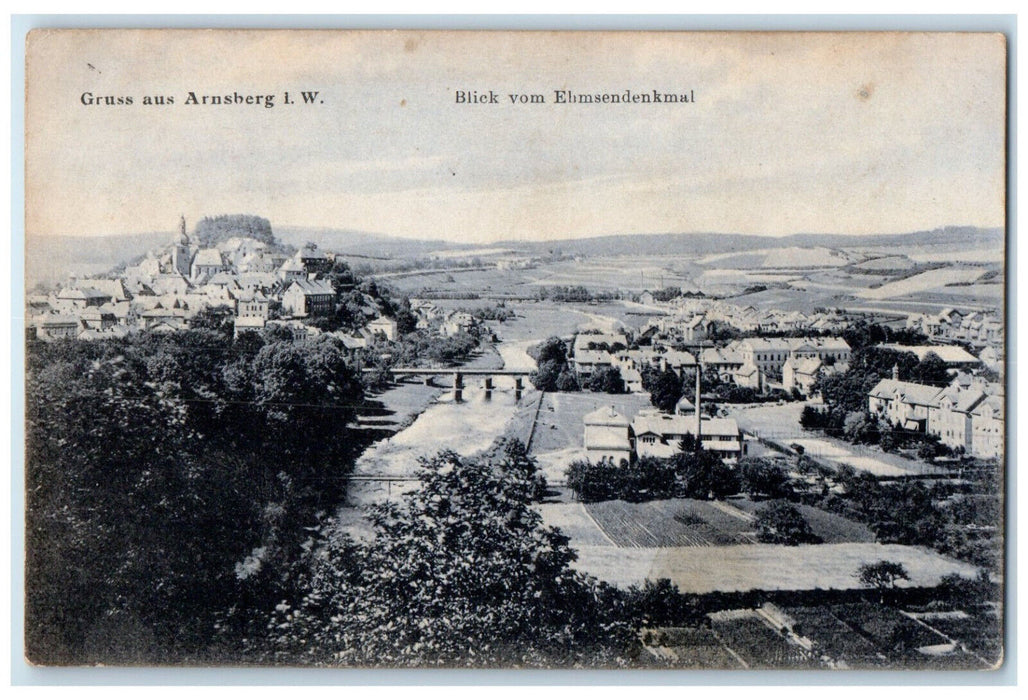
(459, 375)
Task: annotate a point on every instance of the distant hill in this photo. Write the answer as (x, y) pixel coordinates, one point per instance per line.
(362, 243)
(50, 259)
(64, 255)
(702, 244)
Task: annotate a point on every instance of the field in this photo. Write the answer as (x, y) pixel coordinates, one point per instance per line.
(929, 281)
(980, 634)
(855, 636)
(575, 522)
(781, 423)
(831, 528)
(757, 644)
(677, 523)
(835, 638)
(760, 566)
(887, 628)
(691, 523)
(689, 647)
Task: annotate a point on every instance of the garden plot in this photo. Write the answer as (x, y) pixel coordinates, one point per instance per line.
(670, 523)
(756, 643)
(835, 638)
(889, 629)
(981, 635)
(689, 647)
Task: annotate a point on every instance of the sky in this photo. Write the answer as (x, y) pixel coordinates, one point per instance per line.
(789, 132)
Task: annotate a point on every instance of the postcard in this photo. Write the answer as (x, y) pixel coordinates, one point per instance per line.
(515, 349)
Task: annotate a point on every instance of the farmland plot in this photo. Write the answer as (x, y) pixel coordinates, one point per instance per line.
(689, 647)
(980, 634)
(669, 523)
(890, 630)
(831, 528)
(758, 645)
(834, 638)
(921, 283)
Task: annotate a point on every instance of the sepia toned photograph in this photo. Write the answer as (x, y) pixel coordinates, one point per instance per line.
(515, 349)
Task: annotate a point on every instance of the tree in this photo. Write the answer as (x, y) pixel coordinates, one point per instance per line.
(169, 479)
(552, 349)
(703, 475)
(761, 477)
(567, 380)
(460, 573)
(214, 318)
(547, 375)
(210, 231)
(931, 370)
(665, 389)
(607, 380)
(811, 418)
(780, 522)
(860, 427)
(553, 371)
(882, 575)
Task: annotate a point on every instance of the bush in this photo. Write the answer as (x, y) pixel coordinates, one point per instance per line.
(780, 522)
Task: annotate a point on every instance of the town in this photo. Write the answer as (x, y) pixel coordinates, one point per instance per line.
(843, 454)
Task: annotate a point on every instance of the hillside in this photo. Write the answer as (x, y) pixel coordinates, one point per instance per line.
(55, 257)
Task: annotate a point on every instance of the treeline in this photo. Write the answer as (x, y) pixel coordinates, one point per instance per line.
(212, 230)
(574, 293)
(961, 519)
(686, 475)
(169, 479)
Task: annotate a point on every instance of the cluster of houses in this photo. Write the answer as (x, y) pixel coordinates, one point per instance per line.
(975, 327)
(612, 436)
(983, 331)
(689, 319)
(967, 414)
(757, 363)
(164, 290)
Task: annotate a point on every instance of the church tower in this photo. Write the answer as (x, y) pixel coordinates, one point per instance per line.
(182, 257)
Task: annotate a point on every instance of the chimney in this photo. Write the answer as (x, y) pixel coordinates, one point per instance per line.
(699, 369)
(895, 372)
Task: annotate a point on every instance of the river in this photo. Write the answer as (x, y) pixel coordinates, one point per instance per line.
(471, 426)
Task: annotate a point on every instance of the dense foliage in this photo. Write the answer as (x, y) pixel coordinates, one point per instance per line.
(554, 372)
(688, 474)
(780, 522)
(460, 573)
(212, 230)
(762, 478)
(607, 380)
(665, 388)
(168, 481)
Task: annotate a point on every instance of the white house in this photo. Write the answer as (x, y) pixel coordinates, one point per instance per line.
(607, 436)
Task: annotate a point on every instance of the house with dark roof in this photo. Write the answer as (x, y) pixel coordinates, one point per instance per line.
(309, 298)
